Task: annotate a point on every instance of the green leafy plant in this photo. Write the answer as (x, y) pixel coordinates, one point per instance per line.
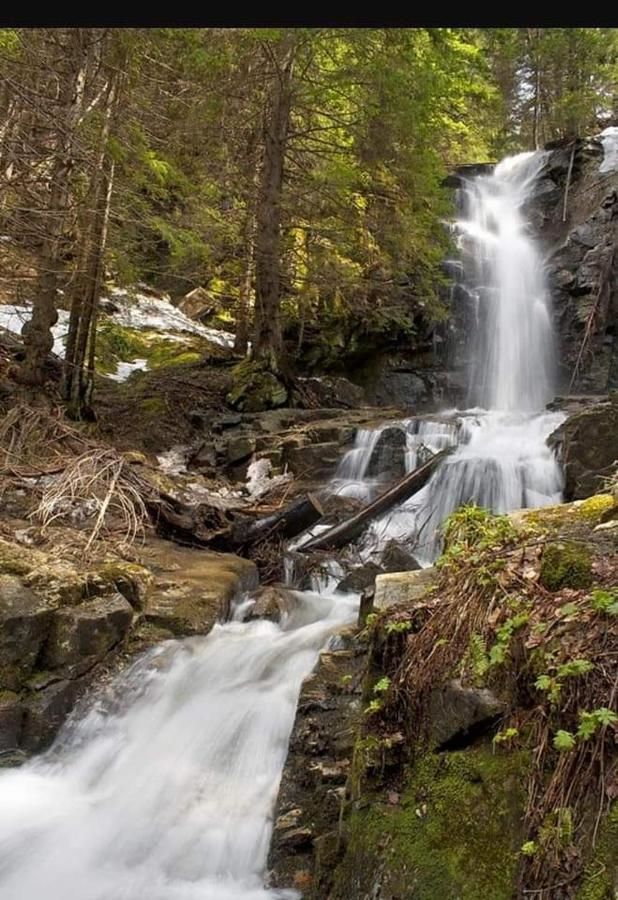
(605, 602)
(564, 741)
(590, 722)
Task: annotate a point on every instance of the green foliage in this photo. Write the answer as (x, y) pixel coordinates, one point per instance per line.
(590, 722)
(399, 626)
(505, 737)
(605, 602)
(564, 741)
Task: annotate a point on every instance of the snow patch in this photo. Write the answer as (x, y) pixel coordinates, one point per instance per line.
(609, 139)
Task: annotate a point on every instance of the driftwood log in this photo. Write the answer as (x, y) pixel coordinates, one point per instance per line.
(349, 530)
(207, 526)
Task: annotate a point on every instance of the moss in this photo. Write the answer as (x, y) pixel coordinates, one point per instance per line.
(455, 834)
(7, 698)
(12, 560)
(118, 343)
(601, 874)
(593, 508)
(153, 406)
(566, 564)
(254, 388)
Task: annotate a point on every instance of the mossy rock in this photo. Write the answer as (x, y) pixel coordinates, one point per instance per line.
(600, 881)
(566, 564)
(255, 389)
(455, 833)
(119, 343)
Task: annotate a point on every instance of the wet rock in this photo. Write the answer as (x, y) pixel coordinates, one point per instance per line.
(239, 448)
(588, 446)
(205, 457)
(272, 603)
(81, 636)
(403, 587)
(455, 711)
(388, 460)
(198, 589)
(46, 711)
(24, 622)
(313, 461)
(396, 558)
(11, 719)
(360, 578)
(319, 758)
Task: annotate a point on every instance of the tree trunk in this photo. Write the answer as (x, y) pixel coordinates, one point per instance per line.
(348, 531)
(80, 350)
(37, 333)
(267, 343)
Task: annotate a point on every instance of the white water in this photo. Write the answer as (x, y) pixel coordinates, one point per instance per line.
(502, 460)
(166, 789)
(513, 349)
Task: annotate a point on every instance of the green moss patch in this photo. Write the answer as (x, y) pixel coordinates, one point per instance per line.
(455, 834)
(566, 564)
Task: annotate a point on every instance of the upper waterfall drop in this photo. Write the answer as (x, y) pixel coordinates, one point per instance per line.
(513, 351)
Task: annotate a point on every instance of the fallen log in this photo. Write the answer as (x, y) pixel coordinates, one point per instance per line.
(206, 526)
(353, 527)
(285, 523)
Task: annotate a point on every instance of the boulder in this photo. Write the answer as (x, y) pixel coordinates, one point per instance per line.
(360, 579)
(456, 710)
(402, 587)
(588, 446)
(81, 636)
(46, 710)
(24, 622)
(396, 558)
(272, 603)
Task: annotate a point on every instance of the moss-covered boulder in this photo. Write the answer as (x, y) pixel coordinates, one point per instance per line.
(566, 564)
(452, 833)
(255, 388)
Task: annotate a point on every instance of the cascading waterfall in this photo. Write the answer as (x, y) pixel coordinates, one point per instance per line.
(502, 460)
(164, 787)
(515, 343)
(165, 790)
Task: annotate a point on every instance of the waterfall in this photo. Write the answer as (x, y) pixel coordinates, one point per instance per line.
(514, 346)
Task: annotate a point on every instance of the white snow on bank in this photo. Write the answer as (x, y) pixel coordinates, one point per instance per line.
(132, 310)
(609, 139)
(125, 369)
(144, 313)
(13, 317)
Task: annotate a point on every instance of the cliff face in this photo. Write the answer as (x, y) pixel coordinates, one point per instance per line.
(575, 212)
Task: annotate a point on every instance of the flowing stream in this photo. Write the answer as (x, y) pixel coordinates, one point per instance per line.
(163, 786)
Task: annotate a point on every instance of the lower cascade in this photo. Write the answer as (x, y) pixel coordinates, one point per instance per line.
(163, 787)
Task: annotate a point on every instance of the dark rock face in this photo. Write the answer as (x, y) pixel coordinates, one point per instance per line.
(24, 621)
(580, 236)
(588, 445)
(333, 391)
(388, 460)
(360, 578)
(455, 710)
(81, 636)
(397, 559)
(304, 847)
